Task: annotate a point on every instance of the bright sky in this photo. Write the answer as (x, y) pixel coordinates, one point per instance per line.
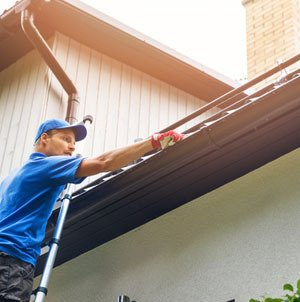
(211, 32)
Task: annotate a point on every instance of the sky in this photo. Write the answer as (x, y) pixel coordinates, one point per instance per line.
(210, 32)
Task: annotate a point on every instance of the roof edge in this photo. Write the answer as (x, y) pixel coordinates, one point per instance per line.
(99, 31)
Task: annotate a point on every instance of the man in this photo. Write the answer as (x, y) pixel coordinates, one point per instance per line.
(27, 195)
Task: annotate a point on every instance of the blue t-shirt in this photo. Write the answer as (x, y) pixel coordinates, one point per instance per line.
(27, 197)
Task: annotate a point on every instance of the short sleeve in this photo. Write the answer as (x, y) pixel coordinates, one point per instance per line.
(62, 170)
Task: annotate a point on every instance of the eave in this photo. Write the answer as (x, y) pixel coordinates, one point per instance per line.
(106, 35)
(235, 144)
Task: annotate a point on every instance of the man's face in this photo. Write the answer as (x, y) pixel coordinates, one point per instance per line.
(59, 142)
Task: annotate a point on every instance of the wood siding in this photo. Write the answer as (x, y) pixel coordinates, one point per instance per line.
(126, 103)
(22, 94)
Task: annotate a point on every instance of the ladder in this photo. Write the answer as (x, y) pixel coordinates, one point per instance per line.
(124, 299)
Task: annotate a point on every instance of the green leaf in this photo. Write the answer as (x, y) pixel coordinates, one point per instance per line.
(289, 297)
(273, 300)
(298, 284)
(288, 287)
(252, 300)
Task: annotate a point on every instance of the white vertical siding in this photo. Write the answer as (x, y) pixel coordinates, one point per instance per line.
(126, 103)
(124, 106)
(56, 101)
(134, 104)
(22, 94)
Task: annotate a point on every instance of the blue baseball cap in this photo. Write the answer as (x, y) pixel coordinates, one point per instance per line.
(57, 124)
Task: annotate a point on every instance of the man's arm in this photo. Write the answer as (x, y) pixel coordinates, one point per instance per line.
(113, 160)
(118, 158)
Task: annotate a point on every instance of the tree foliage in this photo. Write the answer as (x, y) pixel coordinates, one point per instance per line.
(292, 295)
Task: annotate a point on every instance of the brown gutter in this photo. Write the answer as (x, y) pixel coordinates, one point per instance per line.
(34, 36)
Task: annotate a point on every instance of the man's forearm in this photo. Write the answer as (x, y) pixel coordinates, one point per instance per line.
(123, 156)
(114, 160)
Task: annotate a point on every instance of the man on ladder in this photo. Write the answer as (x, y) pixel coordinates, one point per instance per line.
(28, 194)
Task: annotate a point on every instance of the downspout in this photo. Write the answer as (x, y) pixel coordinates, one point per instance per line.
(34, 36)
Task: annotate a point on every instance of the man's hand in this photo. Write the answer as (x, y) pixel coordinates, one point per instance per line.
(166, 139)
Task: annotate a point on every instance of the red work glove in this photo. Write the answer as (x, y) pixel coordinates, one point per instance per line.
(166, 139)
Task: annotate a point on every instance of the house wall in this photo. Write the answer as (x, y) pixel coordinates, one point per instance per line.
(126, 103)
(237, 242)
(23, 91)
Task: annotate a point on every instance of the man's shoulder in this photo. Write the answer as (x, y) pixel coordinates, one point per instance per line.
(41, 156)
(37, 155)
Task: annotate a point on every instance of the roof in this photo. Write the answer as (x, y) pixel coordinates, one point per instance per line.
(106, 35)
(244, 136)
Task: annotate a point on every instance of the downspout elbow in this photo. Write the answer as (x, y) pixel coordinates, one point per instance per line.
(34, 36)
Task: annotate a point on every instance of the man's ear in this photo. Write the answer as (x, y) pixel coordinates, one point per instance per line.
(43, 138)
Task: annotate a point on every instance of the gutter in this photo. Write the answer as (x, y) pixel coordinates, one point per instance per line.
(226, 130)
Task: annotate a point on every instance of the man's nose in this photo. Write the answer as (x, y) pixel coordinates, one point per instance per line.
(72, 146)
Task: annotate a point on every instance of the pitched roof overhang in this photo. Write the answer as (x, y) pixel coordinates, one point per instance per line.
(236, 143)
(106, 35)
